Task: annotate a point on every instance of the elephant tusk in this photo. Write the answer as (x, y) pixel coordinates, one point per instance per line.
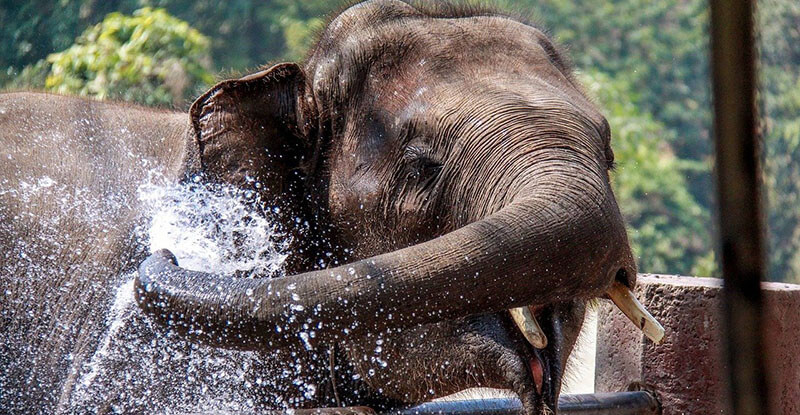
(623, 298)
(529, 327)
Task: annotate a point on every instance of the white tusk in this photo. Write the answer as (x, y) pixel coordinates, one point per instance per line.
(623, 298)
(529, 327)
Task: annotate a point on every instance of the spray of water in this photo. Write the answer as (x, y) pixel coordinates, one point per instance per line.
(215, 228)
(211, 228)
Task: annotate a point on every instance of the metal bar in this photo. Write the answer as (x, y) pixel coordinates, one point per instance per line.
(740, 215)
(621, 403)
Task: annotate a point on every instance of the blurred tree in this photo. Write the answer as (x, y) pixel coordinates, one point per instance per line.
(250, 33)
(244, 34)
(150, 57)
(31, 77)
(666, 226)
(779, 95)
(32, 29)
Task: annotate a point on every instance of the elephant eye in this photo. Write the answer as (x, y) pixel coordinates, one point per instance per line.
(411, 153)
(429, 169)
(420, 163)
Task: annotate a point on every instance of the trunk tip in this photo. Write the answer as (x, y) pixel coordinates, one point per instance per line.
(152, 265)
(165, 254)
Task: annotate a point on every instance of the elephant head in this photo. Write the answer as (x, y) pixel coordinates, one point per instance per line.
(449, 168)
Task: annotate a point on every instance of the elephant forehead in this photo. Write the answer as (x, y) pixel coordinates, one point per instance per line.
(369, 25)
(354, 49)
(448, 115)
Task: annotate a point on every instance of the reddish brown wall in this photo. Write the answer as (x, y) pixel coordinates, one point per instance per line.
(686, 370)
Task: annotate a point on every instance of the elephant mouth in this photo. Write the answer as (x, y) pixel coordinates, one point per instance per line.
(545, 396)
(545, 372)
(524, 318)
(542, 370)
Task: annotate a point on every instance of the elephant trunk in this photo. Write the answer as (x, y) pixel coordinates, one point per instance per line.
(547, 245)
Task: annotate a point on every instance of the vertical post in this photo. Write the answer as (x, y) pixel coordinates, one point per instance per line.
(740, 215)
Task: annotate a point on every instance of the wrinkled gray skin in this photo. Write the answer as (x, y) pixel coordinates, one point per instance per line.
(449, 168)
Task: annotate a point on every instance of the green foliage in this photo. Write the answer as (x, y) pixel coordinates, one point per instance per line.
(667, 227)
(249, 33)
(660, 48)
(244, 34)
(782, 179)
(32, 29)
(31, 77)
(299, 36)
(780, 107)
(150, 58)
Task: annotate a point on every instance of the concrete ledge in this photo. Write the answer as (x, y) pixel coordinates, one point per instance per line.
(687, 370)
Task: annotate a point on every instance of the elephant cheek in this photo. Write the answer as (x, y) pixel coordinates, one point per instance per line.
(440, 359)
(354, 201)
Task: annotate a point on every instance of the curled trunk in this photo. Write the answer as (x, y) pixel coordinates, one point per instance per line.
(543, 247)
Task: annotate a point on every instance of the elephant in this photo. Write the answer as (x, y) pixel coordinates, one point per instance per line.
(443, 182)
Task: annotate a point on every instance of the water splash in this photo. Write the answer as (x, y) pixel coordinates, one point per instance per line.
(212, 228)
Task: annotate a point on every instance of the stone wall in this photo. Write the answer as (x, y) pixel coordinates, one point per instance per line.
(687, 370)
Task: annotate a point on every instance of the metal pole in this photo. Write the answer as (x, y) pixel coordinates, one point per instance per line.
(740, 214)
(621, 403)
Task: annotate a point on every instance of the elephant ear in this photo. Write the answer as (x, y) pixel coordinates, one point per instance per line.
(253, 130)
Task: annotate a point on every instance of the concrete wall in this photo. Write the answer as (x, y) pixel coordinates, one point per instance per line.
(686, 370)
